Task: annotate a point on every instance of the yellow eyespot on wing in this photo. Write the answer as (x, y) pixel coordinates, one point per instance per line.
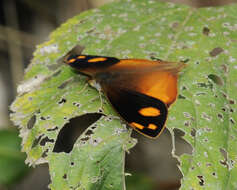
(149, 111)
(136, 125)
(152, 126)
(81, 57)
(71, 60)
(97, 59)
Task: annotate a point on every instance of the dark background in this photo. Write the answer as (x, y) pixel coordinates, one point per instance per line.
(26, 23)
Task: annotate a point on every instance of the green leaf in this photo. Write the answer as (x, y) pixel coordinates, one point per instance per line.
(12, 166)
(52, 93)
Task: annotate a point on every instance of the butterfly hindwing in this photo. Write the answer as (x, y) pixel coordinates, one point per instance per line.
(144, 113)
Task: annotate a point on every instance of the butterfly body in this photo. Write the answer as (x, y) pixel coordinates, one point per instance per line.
(140, 90)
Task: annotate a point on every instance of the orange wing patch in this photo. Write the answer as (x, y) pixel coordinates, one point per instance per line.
(160, 85)
(152, 126)
(71, 60)
(157, 79)
(97, 59)
(136, 125)
(81, 57)
(149, 111)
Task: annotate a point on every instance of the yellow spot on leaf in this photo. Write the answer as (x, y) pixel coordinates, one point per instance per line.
(97, 59)
(136, 125)
(149, 111)
(152, 126)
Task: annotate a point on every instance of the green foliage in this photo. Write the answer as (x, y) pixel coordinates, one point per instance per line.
(12, 165)
(52, 93)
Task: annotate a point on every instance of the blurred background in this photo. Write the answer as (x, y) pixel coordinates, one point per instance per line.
(23, 25)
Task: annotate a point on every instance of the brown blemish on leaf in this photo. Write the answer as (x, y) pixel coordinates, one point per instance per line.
(216, 79)
(31, 122)
(206, 31)
(193, 132)
(187, 123)
(224, 154)
(63, 85)
(225, 68)
(175, 25)
(216, 51)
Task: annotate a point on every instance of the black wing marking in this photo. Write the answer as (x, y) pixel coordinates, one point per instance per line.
(128, 104)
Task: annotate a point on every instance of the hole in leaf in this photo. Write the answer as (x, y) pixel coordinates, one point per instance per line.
(187, 123)
(72, 130)
(224, 95)
(154, 58)
(185, 60)
(223, 109)
(76, 104)
(42, 118)
(232, 121)
(183, 88)
(216, 79)
(36, 141)
(31, 122)
(45, 153)
(181, 97)
(219, 115)
(205, 85)
(53, 129)
(231, 102)
(65, 176)
(62, 101)
(201, 181)
(46, 140)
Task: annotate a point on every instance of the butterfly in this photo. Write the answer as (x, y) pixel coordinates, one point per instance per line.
(140, 90)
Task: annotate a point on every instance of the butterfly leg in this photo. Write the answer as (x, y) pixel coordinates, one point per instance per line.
(96, 85)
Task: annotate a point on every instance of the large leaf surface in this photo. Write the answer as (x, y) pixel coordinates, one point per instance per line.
(205, 110)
